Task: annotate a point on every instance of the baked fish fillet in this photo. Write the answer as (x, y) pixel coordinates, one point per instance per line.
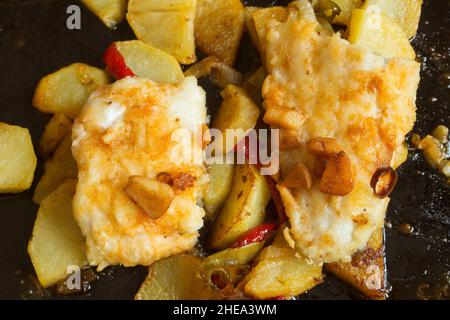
(129, 129)
(362, 100)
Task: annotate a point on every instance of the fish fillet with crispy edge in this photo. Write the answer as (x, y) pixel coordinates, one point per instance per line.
(365, 102)
(132, 128)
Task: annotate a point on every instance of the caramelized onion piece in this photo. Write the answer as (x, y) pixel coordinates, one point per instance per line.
(298, 177)
(383, 182)
(321, 146)
(338, 177)
(219, 72)
(153, 196)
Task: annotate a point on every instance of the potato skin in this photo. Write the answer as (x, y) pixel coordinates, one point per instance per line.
(17, 159)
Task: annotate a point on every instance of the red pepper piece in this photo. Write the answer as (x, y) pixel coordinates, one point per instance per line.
(257, 234)
(115, 63)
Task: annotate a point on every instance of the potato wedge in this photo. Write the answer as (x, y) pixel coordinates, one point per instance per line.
(167, 25)
(144, 61)
(218, 188)
(378, 33)
(219, 26)
(174, 278)
(67, 90)
(111, 12)
(367, 270)
(17, 159)
(281, 271)
(244, 208)
(60, 167)
(56, 129)
(57, 242)
(237, 111)
(261, 19)
(405, 13)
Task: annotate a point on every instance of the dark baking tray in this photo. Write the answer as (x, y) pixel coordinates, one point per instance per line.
(34, 41)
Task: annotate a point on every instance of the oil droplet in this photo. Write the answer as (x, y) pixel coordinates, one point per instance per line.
(444, 79)
(406, 228)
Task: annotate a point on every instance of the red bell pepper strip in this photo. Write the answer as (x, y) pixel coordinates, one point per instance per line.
(115, 63)
(254, 235)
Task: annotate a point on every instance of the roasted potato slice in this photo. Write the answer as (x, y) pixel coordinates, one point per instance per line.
(405, 13)
(219, 26)
(281, 271)
(60, 167)
(167, 25)
(378, 33)
(144, 61)
(56, 129)
(237, 111)
(244, 208)
(17, 159)
(111, 12)
(366, 272)
(67, 90)
(218, 188)
(57, 242)
(174, 278)
(261, 18)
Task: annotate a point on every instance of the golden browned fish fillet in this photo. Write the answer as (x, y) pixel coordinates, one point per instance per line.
(124, 130)
(362, 100)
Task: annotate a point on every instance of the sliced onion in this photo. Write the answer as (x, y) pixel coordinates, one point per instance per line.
(219, 72)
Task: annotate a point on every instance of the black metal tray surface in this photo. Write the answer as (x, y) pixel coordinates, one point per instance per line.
(35, 41)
